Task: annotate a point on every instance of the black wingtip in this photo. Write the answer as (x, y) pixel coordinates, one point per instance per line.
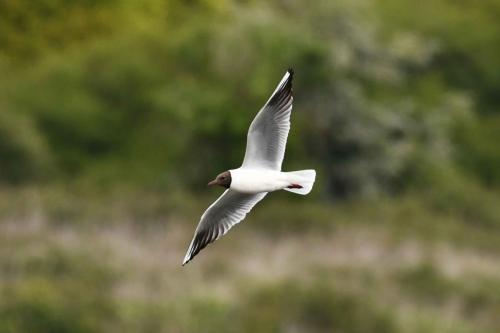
(187, 260)
(283, 93)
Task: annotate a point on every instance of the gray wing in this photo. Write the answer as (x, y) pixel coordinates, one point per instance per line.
(266, 139)
(229, 209)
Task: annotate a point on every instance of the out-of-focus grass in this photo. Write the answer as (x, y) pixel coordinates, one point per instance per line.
(284, 306)
(290, 306)
(467, 217)
(111, 262)
(54, 290)
(475, 297)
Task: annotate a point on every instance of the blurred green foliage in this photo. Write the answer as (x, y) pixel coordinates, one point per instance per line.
(396, 106)
(166, 99)
(312, 308)
(55, 291)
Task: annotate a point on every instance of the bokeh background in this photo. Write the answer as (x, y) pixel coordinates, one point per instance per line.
(114, 114)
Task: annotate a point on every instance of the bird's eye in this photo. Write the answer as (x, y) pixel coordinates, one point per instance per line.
(223, 177)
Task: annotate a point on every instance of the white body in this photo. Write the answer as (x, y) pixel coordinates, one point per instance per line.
(252, 180)
(258, 180)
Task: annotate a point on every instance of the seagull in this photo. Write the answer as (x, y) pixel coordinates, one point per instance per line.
(259, 174)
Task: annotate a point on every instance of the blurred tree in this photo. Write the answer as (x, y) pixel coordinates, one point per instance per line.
(173, 92)
(23, 151)
(467, 57)
(27, 28)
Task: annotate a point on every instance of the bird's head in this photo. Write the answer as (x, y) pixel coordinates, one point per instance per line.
(224, 180)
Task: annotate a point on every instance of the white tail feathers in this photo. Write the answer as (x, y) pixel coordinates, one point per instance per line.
(301, 182)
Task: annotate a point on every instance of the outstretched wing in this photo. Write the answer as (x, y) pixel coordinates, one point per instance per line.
(266, 139)
(229, 209)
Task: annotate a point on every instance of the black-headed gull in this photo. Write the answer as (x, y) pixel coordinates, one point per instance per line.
(259, 174)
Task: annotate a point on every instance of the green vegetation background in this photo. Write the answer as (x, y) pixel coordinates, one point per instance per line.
(115, 113)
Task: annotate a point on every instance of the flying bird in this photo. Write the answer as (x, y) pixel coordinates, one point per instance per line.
(259, 174)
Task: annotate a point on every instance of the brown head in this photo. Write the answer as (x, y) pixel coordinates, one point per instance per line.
(224, 180)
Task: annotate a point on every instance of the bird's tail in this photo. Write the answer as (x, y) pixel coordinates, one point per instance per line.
(301, 182)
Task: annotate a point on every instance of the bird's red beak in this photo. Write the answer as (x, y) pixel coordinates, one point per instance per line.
(213, 182)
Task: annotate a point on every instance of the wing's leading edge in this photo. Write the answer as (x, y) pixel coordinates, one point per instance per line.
(267, 135)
